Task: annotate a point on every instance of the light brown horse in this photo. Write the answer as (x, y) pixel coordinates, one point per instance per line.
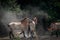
(54, 27)
(22, 26)
(32, 24)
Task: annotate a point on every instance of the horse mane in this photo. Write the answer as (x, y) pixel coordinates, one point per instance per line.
(23, 20)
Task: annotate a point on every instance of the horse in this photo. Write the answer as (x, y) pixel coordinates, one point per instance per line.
(22, 26)
(54, 28)
(26, 26)
(32, 28)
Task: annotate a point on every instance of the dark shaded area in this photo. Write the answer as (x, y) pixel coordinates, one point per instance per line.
(50, 6)
(28, 2)
(3, 30)
(44, 20)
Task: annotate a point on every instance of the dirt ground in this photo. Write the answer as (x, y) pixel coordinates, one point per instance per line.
(43, 37)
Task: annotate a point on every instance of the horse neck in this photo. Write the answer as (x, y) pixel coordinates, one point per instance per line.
(25, 23)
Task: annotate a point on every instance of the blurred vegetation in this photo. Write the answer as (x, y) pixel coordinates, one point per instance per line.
(17, 38)
(52, 7)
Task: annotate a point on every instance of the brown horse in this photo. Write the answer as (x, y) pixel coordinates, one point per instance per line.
(22, 26)
(32, 24)
(54, 28)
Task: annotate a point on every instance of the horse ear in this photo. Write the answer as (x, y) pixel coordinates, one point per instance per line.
(35, 19)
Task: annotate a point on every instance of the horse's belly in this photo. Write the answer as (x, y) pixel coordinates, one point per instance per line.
(23, 27)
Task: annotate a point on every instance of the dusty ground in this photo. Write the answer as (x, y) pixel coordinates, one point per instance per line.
(43, 37)
(39, 37)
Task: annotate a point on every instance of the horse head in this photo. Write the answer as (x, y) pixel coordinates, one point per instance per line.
(35, 20)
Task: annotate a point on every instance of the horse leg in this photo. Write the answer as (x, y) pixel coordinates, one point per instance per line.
(34, 34)
(23, 33)
(28, 31)
(56, 33)
(11, 35)
(52, 33)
